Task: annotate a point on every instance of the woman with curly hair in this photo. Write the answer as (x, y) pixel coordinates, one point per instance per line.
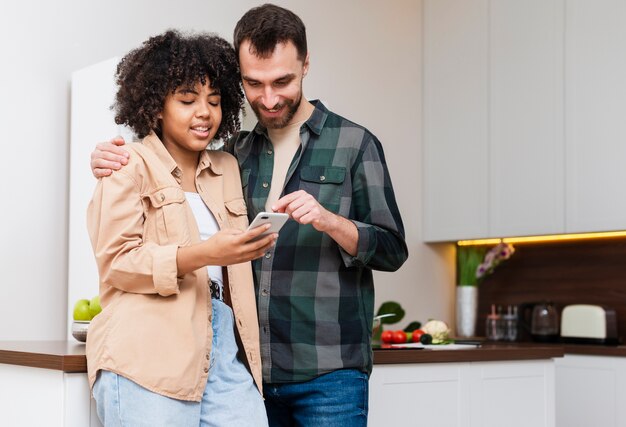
(177, 341)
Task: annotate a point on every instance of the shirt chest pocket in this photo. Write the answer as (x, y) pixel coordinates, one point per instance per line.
(325, 183)
(237, 213)
(166, 216)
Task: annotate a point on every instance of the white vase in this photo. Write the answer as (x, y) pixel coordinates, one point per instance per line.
(466, 310)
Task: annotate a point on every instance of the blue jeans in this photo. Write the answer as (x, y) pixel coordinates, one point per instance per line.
(230, 397)
(339, 398)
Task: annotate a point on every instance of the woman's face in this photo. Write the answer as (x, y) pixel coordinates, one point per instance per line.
(190, 118)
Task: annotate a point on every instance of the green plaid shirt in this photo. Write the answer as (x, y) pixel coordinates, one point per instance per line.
(315, 301)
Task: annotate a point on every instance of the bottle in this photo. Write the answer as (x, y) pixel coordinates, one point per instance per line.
(494, 328)
(510, 323)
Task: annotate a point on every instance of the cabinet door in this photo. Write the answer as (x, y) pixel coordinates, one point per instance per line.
(513, 394)
(596, 115)
(455, 134)
(427, 394)
(590, 391)
(526, 180)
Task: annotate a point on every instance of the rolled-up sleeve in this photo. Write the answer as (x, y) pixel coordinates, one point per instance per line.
(381, 244)
(115, 222)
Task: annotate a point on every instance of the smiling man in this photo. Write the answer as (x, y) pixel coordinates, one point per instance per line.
(315, 292)
(314, 289)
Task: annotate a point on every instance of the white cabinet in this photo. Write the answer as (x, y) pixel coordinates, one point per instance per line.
(596, 115)
(518, 393)
(33, 397)
(456, 152)
(524, 129)
(525, 110)
(590, 391)
(493, 118)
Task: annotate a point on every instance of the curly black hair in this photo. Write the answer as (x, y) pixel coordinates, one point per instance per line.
(146, 75)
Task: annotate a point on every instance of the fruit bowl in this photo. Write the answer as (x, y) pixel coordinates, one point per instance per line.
(79, 329)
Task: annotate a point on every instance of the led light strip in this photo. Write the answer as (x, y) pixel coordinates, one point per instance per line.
(546, 238)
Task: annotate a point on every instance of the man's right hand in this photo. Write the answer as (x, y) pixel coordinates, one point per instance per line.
(108, 156)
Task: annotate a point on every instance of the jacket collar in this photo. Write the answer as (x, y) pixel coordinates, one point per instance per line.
(153, 142)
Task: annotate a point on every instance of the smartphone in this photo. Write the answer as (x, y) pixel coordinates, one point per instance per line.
(277, 220)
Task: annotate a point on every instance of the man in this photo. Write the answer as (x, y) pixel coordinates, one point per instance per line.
(314, 289)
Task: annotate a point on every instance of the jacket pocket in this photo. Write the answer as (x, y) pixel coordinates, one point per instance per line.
(168, 215)
(325, 183)
(237, 213)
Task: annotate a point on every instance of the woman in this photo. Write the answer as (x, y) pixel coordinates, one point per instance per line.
(169, 235)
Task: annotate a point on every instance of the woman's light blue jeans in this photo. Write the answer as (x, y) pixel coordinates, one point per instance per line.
(230, 397)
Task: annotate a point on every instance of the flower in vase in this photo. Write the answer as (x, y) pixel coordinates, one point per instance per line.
(476, 262)
(496, 255)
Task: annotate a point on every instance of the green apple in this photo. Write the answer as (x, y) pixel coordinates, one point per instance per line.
(94, 306)
(81, 310)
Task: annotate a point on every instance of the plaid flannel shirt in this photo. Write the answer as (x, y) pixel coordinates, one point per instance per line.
(315, 301)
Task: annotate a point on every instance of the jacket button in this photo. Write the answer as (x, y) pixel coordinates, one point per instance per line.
(264, 292)
(322, 178)
(265, 185)
(268, 255)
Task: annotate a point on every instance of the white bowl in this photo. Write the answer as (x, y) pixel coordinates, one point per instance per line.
(79, 329)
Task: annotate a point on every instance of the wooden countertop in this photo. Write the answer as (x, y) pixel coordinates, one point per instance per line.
(66, 356)
(69, 356)
(484, 353)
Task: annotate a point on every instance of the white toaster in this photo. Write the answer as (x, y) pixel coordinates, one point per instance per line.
(589, 324)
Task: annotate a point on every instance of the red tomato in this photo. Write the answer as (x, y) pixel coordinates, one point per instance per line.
(386, 337)
(398, 337)
(417, 334)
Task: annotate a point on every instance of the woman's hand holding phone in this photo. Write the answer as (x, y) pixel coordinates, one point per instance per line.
(231, 246)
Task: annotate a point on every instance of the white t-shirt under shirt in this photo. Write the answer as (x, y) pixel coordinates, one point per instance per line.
(286, 142)
(208, 226)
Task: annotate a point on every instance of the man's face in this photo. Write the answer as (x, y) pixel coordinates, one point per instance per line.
(273, 85)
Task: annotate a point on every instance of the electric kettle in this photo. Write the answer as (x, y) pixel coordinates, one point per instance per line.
(544, 321)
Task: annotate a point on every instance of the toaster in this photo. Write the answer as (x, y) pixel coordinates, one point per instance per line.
(589, 324)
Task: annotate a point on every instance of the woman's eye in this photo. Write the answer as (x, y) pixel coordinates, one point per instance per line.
(186, 102)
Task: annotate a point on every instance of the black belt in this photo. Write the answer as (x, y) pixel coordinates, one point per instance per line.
(217, 291)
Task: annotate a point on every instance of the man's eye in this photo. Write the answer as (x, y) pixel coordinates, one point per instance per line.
(253, 84)
(280, 84)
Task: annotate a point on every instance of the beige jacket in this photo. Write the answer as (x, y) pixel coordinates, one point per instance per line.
(155, 327)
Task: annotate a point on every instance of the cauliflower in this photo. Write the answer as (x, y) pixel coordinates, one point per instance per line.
(438, 329)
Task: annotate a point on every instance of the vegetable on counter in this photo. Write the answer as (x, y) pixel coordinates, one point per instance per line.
(439, 331)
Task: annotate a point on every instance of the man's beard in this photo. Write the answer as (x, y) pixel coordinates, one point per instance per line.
(280, 121)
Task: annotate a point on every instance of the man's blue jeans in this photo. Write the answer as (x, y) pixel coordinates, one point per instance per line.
(339, 398)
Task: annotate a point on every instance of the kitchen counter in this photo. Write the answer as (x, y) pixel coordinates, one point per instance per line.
(69, 356)
(66, 356)
(484, 353)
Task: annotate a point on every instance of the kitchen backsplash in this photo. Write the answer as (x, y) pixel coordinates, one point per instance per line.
(582, 272)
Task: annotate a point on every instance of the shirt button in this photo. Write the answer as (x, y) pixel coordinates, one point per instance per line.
(206, 370)
(264, 292)
(265, 185)
(210, 318)
(208, 356)
(268, 255)
(322, 178)
(162, 196)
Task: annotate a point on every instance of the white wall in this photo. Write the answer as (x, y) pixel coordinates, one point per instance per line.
(365, 63)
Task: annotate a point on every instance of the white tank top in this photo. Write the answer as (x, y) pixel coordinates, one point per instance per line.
(208, 226)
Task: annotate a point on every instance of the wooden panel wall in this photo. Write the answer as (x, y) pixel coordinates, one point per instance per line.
(582, 272)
